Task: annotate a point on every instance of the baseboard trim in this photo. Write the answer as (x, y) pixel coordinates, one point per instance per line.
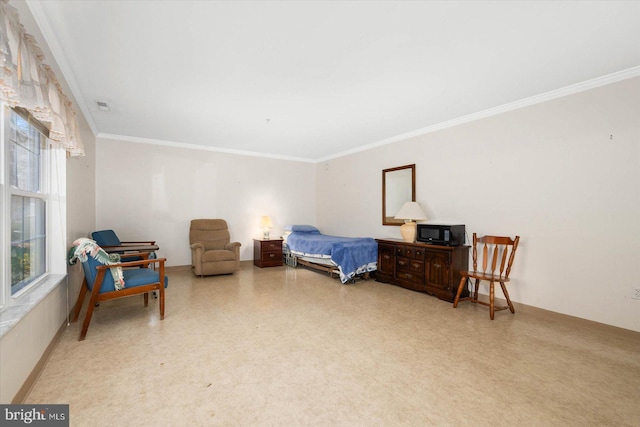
(178, 268)
(37, 370)
(188, 267)
(561, 317)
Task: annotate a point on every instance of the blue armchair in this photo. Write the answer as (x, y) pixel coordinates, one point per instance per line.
(104, 285)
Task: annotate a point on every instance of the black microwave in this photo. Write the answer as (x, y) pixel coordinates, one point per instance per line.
(440, 234)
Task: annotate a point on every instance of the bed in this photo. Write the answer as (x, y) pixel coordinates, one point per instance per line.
(347, 257)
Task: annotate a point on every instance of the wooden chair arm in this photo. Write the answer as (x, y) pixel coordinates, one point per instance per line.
(132, 263)
(133, 248)
(127, 255)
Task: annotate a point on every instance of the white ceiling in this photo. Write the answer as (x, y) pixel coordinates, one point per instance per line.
(312, 80)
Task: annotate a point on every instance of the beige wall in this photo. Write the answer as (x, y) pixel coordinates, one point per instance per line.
(549, 172)
(153, 192)
(22, 347)
(81, 201)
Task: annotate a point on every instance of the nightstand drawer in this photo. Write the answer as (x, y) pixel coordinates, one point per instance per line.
(271, 257)
(271, 245)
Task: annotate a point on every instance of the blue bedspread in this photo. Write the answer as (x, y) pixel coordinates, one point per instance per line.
(352, 255)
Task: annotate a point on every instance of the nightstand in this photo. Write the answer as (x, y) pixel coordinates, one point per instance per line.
(267, 252)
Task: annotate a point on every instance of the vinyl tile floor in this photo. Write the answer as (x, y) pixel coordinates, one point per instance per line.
(289, 346)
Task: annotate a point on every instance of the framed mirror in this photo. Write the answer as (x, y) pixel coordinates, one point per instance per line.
(398, 186)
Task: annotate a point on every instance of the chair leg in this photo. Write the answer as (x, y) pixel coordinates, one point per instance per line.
(161, 302)
(463, 281)
(87, 319)
(491, 300)
(146, 299)
(475, 290)
(506, 295)
(78, 306)
(161, 289)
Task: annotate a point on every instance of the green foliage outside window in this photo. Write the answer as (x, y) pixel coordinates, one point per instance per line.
(20, 265)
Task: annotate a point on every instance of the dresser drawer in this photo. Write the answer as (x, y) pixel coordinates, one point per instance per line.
(410, 265)
(415, 279)
(410, 252)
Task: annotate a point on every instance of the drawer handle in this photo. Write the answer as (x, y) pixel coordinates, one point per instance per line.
(401, 262)
(272, 255)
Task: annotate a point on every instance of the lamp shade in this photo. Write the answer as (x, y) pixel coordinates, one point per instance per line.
(411, 211)
(265, 221)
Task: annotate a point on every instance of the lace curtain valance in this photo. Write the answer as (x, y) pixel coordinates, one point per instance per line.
(27, 82)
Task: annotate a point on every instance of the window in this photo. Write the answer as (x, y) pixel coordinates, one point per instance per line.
(28, 235)
(26, 198)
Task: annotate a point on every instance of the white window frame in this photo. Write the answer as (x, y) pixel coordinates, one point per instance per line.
(53, 177)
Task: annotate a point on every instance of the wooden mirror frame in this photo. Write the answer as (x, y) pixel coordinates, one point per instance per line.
(385, 192)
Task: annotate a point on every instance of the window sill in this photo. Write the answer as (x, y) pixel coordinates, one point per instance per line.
(22, 305)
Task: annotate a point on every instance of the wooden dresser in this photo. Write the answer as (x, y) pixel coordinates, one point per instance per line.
(267, 252)
(426, 268)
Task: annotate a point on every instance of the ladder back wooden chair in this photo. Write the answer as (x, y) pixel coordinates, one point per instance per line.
(494, 249)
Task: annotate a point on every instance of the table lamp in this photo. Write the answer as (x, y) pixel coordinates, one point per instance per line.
(410, 212)
(266, 224)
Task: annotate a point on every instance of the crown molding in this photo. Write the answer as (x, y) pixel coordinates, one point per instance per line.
(532, 100)
(151, 141)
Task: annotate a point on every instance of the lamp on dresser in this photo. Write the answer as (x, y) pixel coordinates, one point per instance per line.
(410, 212)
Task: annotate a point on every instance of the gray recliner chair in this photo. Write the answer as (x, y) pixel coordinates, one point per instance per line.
(212, 251)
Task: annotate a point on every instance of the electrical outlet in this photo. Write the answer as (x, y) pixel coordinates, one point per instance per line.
(635, 292)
